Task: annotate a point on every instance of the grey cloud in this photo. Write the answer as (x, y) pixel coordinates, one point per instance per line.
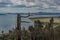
(42, 4)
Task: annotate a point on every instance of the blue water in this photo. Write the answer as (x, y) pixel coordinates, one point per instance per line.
(8, 22)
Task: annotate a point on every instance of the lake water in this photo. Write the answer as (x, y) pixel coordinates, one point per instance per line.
(8, 22)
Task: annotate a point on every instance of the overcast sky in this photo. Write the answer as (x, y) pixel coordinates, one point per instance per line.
(40, 5)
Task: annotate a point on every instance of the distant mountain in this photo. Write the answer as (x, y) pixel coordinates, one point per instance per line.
(37, 13)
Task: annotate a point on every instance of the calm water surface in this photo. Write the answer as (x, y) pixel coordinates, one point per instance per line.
(8, 22)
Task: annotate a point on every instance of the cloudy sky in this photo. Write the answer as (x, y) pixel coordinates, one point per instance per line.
(30, 5)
